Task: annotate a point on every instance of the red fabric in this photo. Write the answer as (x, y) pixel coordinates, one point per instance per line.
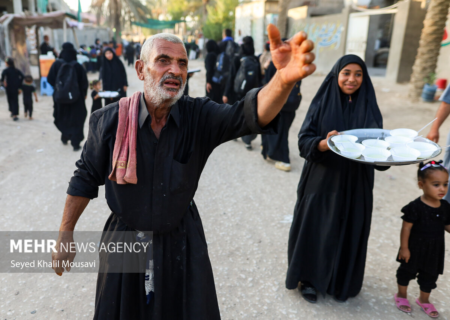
(124, 154)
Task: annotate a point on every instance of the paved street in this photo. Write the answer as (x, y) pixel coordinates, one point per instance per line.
(246, 206)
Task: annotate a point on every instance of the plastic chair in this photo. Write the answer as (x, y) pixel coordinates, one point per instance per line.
(46, 88)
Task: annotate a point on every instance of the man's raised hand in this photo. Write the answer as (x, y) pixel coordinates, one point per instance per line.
(292, 58)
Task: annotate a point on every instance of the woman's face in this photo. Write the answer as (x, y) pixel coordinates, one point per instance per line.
(350, 78)
(109, 55)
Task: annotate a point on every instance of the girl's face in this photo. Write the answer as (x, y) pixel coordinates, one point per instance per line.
(435, 186)
(350, 78)
(98, 86)
(109, 55)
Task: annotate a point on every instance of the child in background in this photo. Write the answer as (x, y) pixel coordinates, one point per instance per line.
(28, 89)
(96, 87)
(422, 246)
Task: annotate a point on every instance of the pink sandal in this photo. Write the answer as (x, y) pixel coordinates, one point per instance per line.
(428, 308)
(402, 302)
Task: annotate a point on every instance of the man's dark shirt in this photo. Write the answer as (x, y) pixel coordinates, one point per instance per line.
(45, 47)
(168, 168)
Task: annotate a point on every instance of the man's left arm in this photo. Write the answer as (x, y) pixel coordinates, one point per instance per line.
(293, 60)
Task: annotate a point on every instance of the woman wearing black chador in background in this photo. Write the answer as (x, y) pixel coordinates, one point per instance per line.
(70, 117)
(328, 238)
(113, 75)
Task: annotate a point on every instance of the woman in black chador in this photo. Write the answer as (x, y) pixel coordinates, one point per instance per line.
(70, 117)
(12, 81)
(212, 88)
(328, 237)
(113, 75)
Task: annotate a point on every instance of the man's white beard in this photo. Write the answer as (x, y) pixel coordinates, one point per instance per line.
(157, 95)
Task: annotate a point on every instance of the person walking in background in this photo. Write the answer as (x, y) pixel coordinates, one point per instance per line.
(433, 135)
(228, 50)
(276, 147)
(422, 238)
(130, 53)
(245, 74)
(264, 60)
(329, 234)
(113, 75)
(28, 90)
(96, 87)
(12, 79)
(69, 79)
(45, 47)
(212, 88)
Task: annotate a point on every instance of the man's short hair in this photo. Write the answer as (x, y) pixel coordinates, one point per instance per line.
(45, 37)
(228, 32)
(147, 47)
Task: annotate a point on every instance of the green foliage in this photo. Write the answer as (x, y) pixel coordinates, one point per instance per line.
(431, 79)
(177, 9)
(220, 16)
(181, 8)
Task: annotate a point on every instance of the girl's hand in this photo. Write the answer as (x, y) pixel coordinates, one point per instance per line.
(208, 87)
(404, 254)
(323, 145)
(225, 99)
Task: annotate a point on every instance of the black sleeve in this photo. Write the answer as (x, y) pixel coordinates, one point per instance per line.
(224, 122)
(93, 94)
(410, 212)
(51, 77)
(124, 74)
(100, 74)
(93, 164)
(309, 137)
(270, 72)
(3, 77)
(210, 64)
(234, 67)
(83, 83)
(21, 77)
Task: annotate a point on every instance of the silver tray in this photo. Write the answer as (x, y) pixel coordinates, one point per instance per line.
(364, 134)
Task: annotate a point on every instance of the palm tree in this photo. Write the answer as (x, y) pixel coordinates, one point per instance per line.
(282, 17)
(116, 14)
(429, 45)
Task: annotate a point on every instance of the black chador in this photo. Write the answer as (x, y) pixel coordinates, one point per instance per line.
(328, 238)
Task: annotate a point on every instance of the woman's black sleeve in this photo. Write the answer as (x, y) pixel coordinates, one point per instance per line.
(210, 63)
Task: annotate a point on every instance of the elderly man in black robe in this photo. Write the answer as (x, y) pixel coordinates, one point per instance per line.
(175, 136)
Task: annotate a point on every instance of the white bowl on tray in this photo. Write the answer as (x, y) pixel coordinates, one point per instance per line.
(352, 150)
(375, 143)
(398, 141)
(404, 154)
(375, 154)
(344, 137)
(403, 132)
(426, 149)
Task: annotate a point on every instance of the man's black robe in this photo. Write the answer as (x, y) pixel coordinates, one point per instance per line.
(168, 171)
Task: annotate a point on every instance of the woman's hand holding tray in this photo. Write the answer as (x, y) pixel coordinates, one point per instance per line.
(381, 135)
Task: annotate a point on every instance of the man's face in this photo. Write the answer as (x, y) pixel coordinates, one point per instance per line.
(165, 72)
(45, 38)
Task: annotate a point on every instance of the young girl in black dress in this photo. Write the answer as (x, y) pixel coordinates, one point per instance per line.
(422, 246)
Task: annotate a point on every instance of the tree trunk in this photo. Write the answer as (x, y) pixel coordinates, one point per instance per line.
(282, 17)
(429, 45)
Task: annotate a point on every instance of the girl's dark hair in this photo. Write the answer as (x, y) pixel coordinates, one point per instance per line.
(93, 83)
(28, 78)
(10, 62)
(426, 168)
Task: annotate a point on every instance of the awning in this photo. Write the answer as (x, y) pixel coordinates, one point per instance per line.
(53, 20)
(157, 24)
